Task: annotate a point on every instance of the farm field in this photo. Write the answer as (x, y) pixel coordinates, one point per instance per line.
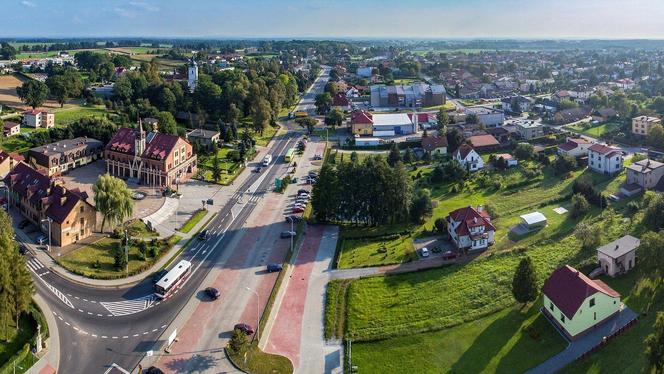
(9, 97)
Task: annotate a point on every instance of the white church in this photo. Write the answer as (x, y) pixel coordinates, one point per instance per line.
(192, 75)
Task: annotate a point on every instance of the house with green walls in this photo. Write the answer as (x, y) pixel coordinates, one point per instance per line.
(576, 303)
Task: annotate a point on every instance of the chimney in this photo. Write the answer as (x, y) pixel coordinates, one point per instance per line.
(617, 246)
(63, 200)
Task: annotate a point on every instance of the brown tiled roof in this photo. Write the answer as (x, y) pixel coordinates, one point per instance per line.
(470, 217)
(479, 141)
(464, 150)
(603, 149)
(431, 143)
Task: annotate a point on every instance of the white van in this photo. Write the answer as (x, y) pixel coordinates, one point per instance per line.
(267, 159)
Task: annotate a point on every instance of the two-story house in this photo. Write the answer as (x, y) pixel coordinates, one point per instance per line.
(576, 303)
(467, 157)
(641, 125)
(605, 160)
(470, 228)
(38, 119)
(574, 148)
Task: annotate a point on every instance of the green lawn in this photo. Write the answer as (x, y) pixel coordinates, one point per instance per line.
(193, 220)
(68, 114)
(595, 131)
(373, 252)
(15, 143)
(259, 362)
(509, 341)
(340, 156)
(139, 229)
(447, 106)
(264, 139)
(96, 260)
(12, 341)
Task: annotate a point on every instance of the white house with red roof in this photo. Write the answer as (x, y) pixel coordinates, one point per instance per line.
(604, 159)
(576, 303)
(574, 147)
(38, 118)
(470, 228)
(468, 157)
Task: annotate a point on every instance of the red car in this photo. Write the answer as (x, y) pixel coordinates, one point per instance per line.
(298, 210)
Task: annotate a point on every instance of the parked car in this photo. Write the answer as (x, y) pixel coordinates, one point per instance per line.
(449, 255)
(318, 157)
(41, 239)
(244, 328)
(287, 234)
(313, 174)
(302, 190)
(23, 223)
(425, 252)
(304, 194)
(22, 249)
(299, 205)
(257, 169)
(297, 210)
(273, 268)
(204, 235)
(212, 293)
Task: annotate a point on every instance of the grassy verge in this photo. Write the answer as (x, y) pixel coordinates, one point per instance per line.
(259, 362)
(138, 229)
(509, 341)
(193, 220)
(96, 260)
(354, 253)
(335, 308)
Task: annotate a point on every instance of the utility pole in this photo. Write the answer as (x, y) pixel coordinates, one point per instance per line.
(127, 250)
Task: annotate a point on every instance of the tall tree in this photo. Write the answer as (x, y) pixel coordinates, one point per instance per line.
(323, 102)
(216, 168)
(443, 120)
(524, 283)
(112, 199)
(334, 118)
(261, 115)
(421, 205)
(394, 156)
(655, 345)
(167, 124)
(33, 93)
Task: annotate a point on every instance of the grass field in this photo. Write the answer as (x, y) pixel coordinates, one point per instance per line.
(595, 131)
(509, 341)
(71, 113)
(193, 220)
(259, 362)
(344, 156)
(373, 252)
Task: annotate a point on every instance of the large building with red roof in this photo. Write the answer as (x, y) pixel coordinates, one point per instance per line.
(470, 229)
(40, 199)
(576, 303)
(605, 160)
(150, 158)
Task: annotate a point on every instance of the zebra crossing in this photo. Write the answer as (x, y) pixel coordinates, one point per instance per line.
(127, 307)
(58, 294)
(36, 266)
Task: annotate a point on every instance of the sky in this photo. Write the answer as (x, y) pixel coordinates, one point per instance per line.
(438, 19)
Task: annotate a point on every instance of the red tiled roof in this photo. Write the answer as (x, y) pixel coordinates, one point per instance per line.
(504, 156)
(34, 112)
(9, 125)
(470, 217)
(422, 117)
(158, 147)
(431, 143)
(603, 149)
(361, 117)
(568, 288)
(339, 100)
(479, 141)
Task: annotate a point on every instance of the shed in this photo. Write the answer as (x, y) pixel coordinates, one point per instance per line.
(533, 221)
(619, 256)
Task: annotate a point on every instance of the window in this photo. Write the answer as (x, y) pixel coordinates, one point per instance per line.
(595, 316)
(551, 306)
(592, 302)
(562, 318)
(82, 209)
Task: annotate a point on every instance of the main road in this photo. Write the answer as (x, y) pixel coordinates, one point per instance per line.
(102, 330)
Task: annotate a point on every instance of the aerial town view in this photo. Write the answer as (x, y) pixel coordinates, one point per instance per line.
(277, 187)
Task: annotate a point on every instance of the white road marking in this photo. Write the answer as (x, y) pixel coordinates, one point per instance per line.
(58, 294)
(126, 307)
(94, 335)
(116, 366)
(67, 323)
(135, 335)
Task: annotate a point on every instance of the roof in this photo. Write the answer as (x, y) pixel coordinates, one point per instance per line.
(620, 246)
(607, 112)
(202, 133)
(423, 117)
(470, 217)
(157, 145)
(568, 288)
(464, 150)
(339, 100)
(572, 143)
(504, 156)
(67, 145)
(497, 131)
(361, 117)
(391, 119)
(648, 119)
(34, 112)
(533, 218)
(603, 149)
(431, 143)
(479, 141)
(645, 166)
(8, 125)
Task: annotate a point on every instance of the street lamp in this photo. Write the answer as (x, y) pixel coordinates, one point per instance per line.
(49, 220)
(127, 250)
(258, 317)
(291, 219)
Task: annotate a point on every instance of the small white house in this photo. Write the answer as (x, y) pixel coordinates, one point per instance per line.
(619, 256)
(605, 160)
(574, 147)
(470, 228)
(468, 158)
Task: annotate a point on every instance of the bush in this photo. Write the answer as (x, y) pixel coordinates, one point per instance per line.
(580, 205)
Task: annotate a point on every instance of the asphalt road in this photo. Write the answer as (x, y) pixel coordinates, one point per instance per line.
(99, 327)
(307, 102)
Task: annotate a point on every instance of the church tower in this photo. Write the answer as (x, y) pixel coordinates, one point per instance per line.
(139, 142)
(192, 75)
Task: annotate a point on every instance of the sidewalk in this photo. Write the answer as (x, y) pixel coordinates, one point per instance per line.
(49, 362)
(420, 264)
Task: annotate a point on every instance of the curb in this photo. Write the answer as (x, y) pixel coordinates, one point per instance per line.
(52, 355)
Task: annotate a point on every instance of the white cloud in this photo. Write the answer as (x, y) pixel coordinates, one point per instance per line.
(29, 4)
(124, 12)
(144, 5)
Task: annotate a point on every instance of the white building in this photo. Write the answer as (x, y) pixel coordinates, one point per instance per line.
(470, 228)
(619, 256)
(467, 157)
(574, 148)
(605, 160)
(38, 118)
(192, 75)
(489, 117)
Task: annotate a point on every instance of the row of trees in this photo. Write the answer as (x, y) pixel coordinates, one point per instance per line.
(371, 192)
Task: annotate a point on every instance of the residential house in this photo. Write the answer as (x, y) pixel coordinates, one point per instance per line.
(529, 129)
(619, 256)
(605, 160)
(500, 133)
(361, 123)
(340, 101)
(574, 147)
(470, 228)
(483, 142)
(489, 117)
(435, 144)
(8, 161)
(412, 95)
(560, 96)
(40, 199)
(65, 155)
(511, 161)
(11, 128)
(38, 119)
(643, 175)
(152, 159)
(576, 303)
(571, 115)
(467, 157)
(604, 114)
(205, 138)
(516, 104)
(641, 125)
(379, 125)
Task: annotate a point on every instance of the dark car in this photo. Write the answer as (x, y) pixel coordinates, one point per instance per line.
(302, 190)
(22, 249)
(158, 275)
(212, 293)
(153, 370)
(273, 268)
(287, 234)
(23, 223)
(313, 174)
(297, 210)
(449, 255)
(203, 235)
(244, 328)
(257, 169)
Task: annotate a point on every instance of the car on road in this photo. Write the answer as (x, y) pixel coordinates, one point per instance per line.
(22, 249)
(273, 268)
(212, 293)
(244, 328)
(23, 224)
(287, 234)
(257, 169)
(318, 157)
(267, 159)
(297, 210)
(449, 255)
(425, 252)
(313, 174)
(204, 235)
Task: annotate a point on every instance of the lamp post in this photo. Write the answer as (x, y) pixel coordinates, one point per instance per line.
(290, 218)
(49, 220)
(127, 250)
(258, 317)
